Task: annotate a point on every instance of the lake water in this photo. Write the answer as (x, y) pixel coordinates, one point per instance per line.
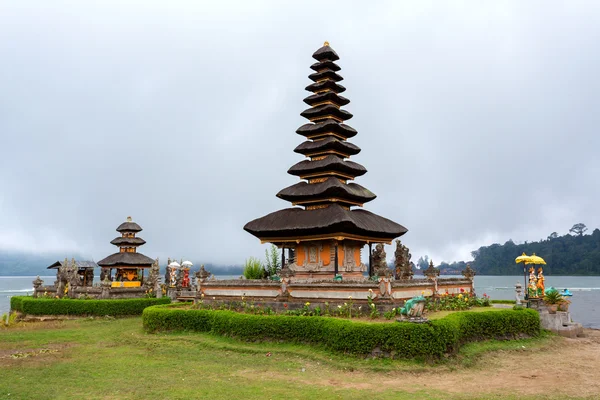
(585, 303)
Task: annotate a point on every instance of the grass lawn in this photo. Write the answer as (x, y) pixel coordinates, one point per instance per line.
(115, 359)
(442, 314)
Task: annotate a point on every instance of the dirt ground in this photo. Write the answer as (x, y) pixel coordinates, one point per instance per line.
(567, 367)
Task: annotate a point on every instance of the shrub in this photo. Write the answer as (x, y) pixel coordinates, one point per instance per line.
(503, 301)
(33, 306)
(253, 269)
(272, 261)
(407, 340)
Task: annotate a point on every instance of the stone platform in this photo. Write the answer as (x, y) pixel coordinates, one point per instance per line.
(560, 323)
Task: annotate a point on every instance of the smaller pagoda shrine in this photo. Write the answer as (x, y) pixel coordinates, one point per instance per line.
(128, 263)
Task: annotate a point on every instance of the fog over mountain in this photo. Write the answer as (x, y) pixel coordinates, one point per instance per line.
(478, 121)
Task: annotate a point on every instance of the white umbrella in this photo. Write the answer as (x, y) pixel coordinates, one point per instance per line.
(174, 264)
(187, 264)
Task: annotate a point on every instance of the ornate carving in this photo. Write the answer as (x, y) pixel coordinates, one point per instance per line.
(431, 272)
(532, 287)
(379, 261)
(201, 276)
(312, 253)
(37, 283)
(153, 279)
(468, 272)
(317, 206)
(540, 283)
(402, 263)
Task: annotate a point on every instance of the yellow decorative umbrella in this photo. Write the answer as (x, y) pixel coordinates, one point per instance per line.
(536, 260)
(525, 259)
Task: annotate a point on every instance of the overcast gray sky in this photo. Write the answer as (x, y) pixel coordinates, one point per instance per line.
(478, 120)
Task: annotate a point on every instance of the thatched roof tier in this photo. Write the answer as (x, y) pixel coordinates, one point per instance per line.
(329, 144)
(320, 98)
(79, 264)
(331, 163)
(137, 260)
(298, 224)
(325, 74)
(326, 111)
(129, 226)
(325, 85)
(325, 53)
(326, 127)
(327, 196)
(320, 66)
(128, 241)
(331, 188)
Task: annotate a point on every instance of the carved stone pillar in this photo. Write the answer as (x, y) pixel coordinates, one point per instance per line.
(36, 286)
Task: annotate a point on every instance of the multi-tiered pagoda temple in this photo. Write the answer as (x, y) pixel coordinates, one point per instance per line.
(127, 261)
(329, 228)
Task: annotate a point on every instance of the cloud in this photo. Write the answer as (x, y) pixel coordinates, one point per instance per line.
(478, 122)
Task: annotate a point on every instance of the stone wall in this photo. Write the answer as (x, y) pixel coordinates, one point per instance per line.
(384, 291)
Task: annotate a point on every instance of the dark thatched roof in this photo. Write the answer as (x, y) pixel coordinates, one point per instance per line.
(297, 222)
(123, 241)
(331, 85)
(326, 126)
(329, 163)
(325, 53)
(326, 96)
(132, 259)
(325, 110)
(129, 227)
(329, 143)
(330, 188)
(326, 74)
(80, 264)
(318, 66)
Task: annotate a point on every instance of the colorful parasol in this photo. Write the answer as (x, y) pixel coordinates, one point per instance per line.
(536, 260)
(523, 258)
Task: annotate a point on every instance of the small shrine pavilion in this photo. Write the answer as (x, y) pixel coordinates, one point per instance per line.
(328, 229)
(127, 262)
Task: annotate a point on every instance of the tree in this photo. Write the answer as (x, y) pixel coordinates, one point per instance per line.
(578, 229)
(423, 263)
(273, 262)
(553, 235)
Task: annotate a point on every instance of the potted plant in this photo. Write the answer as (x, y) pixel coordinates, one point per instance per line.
(564, 305)
(552, 300)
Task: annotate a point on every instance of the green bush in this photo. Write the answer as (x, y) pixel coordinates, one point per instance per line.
(253, 269)
(503, 301)
(406, 340)
(33, 306)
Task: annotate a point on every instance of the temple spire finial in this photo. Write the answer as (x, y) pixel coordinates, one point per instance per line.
(326, 43)
(129, 219)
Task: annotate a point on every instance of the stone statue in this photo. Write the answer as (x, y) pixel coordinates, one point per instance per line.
(468, 272)
(105, 284)
(431, 272)
(37, 283)
(380, 267)
(540, 283)
(152, 283)
(73, 278)
(201, 276)
(413, 308)
(89, 277)
(532, 287)
(402, 262)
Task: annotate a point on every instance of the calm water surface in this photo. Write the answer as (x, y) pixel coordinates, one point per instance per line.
(585, 303)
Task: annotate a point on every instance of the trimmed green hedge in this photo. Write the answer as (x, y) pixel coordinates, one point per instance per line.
(408, 340)
(503, 301)
(116, 307)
